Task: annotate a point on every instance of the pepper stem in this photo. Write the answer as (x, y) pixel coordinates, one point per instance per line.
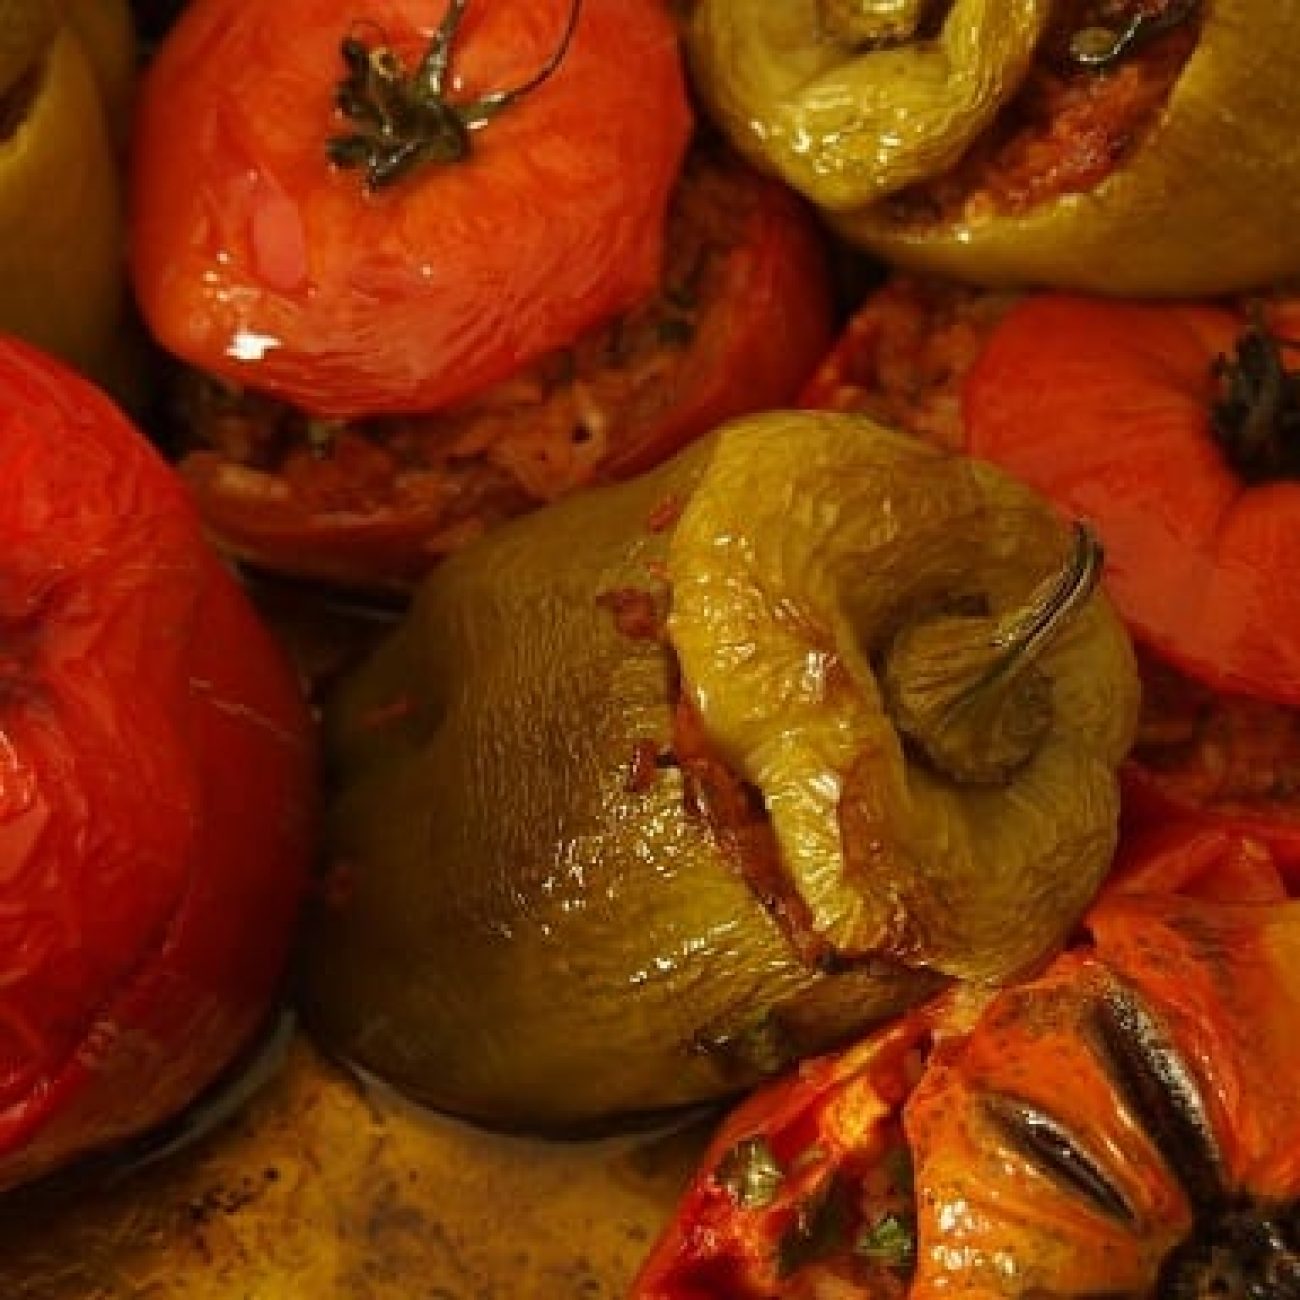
(966, 691)
(1256, 418)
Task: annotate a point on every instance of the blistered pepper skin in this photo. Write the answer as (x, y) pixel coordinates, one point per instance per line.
(156, 784)
(528, 918)
(1205, 203)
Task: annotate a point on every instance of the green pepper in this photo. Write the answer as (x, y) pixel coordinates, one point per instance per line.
(545, 906)
(64, 73)
(1198, 194)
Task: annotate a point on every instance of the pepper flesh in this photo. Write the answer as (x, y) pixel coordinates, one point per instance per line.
(807, 549)
(534, 920)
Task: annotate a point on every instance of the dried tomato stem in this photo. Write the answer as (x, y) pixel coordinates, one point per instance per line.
(1256, 418)
(403, 120)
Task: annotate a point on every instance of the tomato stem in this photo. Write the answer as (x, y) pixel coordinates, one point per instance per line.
(1256, 417)
(403, 119)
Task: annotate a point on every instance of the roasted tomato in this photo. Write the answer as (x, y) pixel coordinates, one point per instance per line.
(455, 254)
(1172, 428)
(740, 318)
(1127, 1124)
(156, 784)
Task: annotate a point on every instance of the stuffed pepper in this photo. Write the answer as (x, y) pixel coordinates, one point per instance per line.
(1120, 146)
(679, 780)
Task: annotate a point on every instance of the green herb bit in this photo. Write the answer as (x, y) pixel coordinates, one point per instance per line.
(890, 1240)
(751, 1174)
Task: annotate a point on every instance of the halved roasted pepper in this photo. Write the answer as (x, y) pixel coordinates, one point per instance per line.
(676, 781)
(64, 82)
(1138, 146)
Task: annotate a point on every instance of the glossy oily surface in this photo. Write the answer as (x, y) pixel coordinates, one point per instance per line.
(564, 885)
(256, 259)
(740, 315)
(1160, 172)
(846, 115)
(528, 918)
(828, 575)
(156, 797)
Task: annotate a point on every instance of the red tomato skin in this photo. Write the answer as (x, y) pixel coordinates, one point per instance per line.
(256, 260)
(1104, 407)
(157, 771)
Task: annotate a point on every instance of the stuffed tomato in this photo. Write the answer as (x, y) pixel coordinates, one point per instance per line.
(157, 792)
(392, 356)
(1139, 147)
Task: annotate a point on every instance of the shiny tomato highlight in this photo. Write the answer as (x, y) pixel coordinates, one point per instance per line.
(156, 783)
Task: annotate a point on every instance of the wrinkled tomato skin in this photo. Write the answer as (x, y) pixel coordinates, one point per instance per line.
(257, 261)
(765, 323)
(1105, 408)
(770, 324)
(156, 784)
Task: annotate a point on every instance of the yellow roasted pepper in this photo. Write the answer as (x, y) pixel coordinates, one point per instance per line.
(64, 82)
(1198, 193)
